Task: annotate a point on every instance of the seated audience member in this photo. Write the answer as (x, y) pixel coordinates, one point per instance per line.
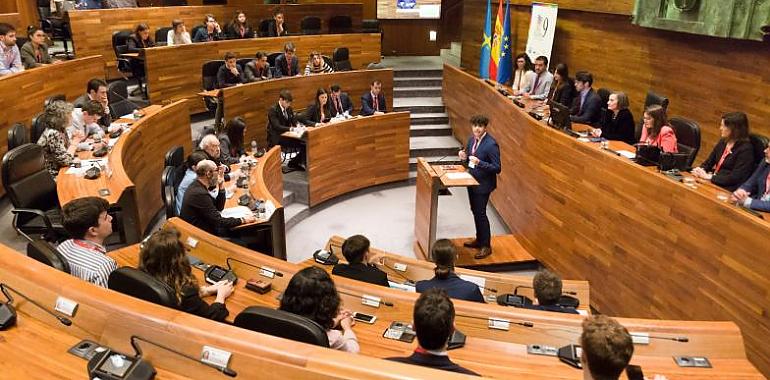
(211, 146)
(587, 104)
(319, 112)
(563, 89)
(607, 348)
(277, 27)
(258, 69)
(548, 290)
(619, 125)
(542, 79)
(164, 257)
(96, 89)
(359, 266)
(84, 122)
(287, 64)
(88, 223)
(340, 101)
(311, 293)
(10, 58)
(231, 140)
(434, 324)
(656, 131)
(189, 177)
(280, 119)
(522, 74)
(58, 149)
(444, 255)
(178, 34)
(139, 40)
(203, 211)
(239, 27)
(317, 65)
(229, 74)
(755, 193)
(211, 31)
(34, 52)
(373, 102)
(732, 160)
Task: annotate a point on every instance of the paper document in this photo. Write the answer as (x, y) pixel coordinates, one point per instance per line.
(236, 212)
(459, 175)
(627, 154)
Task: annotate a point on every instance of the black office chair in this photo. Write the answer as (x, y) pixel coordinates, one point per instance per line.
(120, 47)
(209, 81)
(47, 254)
(342, 59)
(136, 283)
(37, 127)
(604, 95)
(175, 159)
(651, 99)
(32, 192)
(214, 2)
(17, 136)
(168, 191)
(194, 30)
(174, 3)
(264, 27)
(241, 62)
(310, 25)
(687, 136)
(117, 96)
(760, 143)
(56, 28)
(20, 41)
(282, 324)
(161, 36)
(271, 60)
(340, 25)
(370, 26)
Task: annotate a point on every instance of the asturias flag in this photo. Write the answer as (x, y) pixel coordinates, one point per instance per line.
(496, 39)
(486, 44)
(504, 65)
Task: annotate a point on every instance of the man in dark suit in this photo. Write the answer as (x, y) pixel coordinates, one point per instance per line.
(548, 290)
(340, 101)
(287, 64)
(434, 316)
(482, 155)
(373, 102)
(587, 104)
(359, 267)
(755, 193)
(96, 89)
(280, 119)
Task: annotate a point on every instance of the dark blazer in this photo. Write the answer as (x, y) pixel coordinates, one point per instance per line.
(455, 287)
(757, 186)
(312, 115)
(590, 112)
(362, 272)
(193, 304)
(284, 68)
(202, 211)
(29, 57)
(278, 124)
(202, 35)
(554, 308)
(135, 44)
(736, 168)
(272, 30)
(81, 101)
(225, 77)
(252, 74)
(347, 104)
(367, 104)
(434, 361)
(227, 154)
(564, 94)
(486, 171)
(620, 128)
(234, 32)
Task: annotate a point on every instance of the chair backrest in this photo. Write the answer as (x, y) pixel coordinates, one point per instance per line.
(341, 58)
(687, 136)
(370, 26)
(282, 324)
(17, 136)
(136, 283)
(271, 58)
(264, 27)
(161, 35)
(604, 95)
(310, 25)
(340, 24)
(121, 108)
(241, 62)
(760, 143)
(174, 156)
(47, 254)
(20, 41)
(117, 91)
(209, 74)
(194, 30)
(214, 2)
(651, 99)
(168, 190)
(120, 42)
(26, 179)
(37, 128)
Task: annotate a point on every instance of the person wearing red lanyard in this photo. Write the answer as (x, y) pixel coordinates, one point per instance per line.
(732, 159)
(482, 154)
(755, 193)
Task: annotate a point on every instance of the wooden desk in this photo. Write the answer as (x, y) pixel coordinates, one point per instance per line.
(92, 29)
(174, 72)
(658, 248)
(24, 93)
(11, 18)
(136, 162)
(253, 100)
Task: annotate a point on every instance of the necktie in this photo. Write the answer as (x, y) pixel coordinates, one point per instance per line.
(537, 79)
(475, 147)
(338, 104)
(376, 104)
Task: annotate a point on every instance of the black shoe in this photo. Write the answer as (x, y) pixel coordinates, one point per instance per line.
(296, 166)
(485, 251)
(472, 244)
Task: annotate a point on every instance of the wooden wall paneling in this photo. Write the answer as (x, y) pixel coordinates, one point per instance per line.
(369, 6)
(13, 19)
(659, 249)
(28, 15)
(270, 179)
(376, 152)
(253, 100)
(409, 37)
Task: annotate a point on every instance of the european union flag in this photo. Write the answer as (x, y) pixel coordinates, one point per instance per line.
(504, 67)
(486, 44)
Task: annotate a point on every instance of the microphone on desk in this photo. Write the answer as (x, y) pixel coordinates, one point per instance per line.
(127, 99)
(681, 339)
(409, 281)
(271, 270)
(365, 297)
(224, 369)
(520, 323)
(8, 312)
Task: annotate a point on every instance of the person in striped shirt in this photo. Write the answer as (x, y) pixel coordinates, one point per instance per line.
(87, 222)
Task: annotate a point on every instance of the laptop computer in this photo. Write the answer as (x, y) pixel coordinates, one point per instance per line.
(647, 155)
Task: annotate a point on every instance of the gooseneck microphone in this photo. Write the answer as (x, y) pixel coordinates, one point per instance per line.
(516, 289)
(681, 339)
(520, 323)
(8, 312)
(271, 270)
(397, 272)
(359, 295)
(138, 350)
(126, 99)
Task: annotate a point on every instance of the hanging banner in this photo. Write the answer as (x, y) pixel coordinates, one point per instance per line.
(542, 28)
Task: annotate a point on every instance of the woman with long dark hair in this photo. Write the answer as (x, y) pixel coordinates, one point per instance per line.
(318, 113)
(444, 256)
(231, 140)
(239, 27)
(656, 131)
(731, 162)
(563, 89)
(34, 52)
(522, 73)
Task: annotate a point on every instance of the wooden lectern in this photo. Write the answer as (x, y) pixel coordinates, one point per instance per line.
(431, 179)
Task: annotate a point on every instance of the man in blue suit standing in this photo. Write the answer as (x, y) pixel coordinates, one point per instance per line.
(482, 155)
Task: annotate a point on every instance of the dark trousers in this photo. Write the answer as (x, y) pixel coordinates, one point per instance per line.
(287, 142)
(478, 203)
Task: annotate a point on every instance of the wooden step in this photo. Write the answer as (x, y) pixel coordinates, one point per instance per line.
(507, 254)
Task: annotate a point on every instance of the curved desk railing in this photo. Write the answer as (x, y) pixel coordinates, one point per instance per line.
(651, 247)
(720, 341)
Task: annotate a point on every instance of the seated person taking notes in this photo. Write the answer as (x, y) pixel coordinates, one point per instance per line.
(84, 123)
(287, 64)
(229, 74)
(88, 223)
(340, 101)
(656, 131)
(211, 31)
(587, 105)
(317, 65)
(444, 255)
(540, 84)
(732, 160)
(373, 102)
(548, 290)
(360, 259)
(755, 193)
(318, 113)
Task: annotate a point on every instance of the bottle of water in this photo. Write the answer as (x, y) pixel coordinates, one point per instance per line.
(253, 146)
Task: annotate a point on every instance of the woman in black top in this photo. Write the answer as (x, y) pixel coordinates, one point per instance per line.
(563, 89)
(731, 162)
(163, 257)
(231, 140)
(139, 40)
(239, 28)
(318, 113)
(277, 27)
(619, 123)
